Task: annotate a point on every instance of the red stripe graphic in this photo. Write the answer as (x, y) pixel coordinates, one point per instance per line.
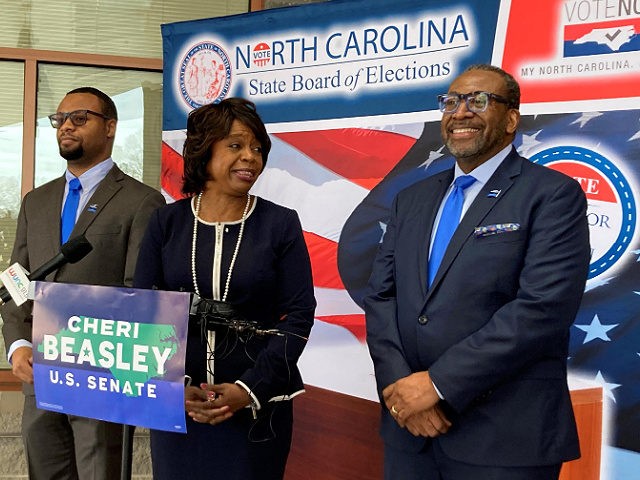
(363, 156)
(354, 323)
(324, 261)
(172, 171)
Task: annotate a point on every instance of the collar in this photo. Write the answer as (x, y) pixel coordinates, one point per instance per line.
(483, 172)
(92, 177)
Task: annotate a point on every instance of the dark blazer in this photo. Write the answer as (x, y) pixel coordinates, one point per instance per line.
(271, 285)
(493, 329)
(114, 221)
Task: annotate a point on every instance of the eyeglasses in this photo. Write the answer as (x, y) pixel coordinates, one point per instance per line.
(77, 117)
(477, 102)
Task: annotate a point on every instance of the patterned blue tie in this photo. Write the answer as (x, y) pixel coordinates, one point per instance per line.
(449, 221)
(70, 209)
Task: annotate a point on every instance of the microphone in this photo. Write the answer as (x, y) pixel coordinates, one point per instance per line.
(71, 252)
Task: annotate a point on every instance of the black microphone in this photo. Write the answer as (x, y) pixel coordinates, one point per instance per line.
(71, 252)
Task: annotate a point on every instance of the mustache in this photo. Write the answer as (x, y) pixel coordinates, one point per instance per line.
(64, 136)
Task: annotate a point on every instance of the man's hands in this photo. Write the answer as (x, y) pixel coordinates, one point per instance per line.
(410, 395)
(214, 404)
(22, 364)
(429, 423)
(413, 402)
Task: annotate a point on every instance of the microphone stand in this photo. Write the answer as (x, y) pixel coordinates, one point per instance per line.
(127, 452)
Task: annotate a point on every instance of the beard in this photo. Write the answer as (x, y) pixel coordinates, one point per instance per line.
(477, 148)
(72, 154)
(492, 142)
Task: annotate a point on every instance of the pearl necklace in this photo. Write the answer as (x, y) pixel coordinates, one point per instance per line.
(235, 251)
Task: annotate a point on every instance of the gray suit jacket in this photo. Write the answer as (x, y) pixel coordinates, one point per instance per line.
(114, 222)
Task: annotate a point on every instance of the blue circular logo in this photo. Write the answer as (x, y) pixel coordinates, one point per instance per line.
(611, 209)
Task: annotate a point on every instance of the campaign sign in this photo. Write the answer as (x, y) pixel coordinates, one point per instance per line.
(110, 353)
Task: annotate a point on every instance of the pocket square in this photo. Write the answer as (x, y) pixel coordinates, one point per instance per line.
(487, 230)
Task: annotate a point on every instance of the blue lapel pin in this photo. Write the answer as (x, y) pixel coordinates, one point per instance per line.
(493, 193)
(92, 208)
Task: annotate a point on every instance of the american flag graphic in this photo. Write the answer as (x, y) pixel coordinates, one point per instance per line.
(342, 182)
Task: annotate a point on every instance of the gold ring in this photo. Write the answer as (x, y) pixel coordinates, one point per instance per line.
(393, 410)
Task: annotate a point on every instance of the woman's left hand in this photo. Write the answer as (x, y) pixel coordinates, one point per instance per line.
(214, 404)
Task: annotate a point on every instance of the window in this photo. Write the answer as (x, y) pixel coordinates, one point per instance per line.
(11, 95)
(115, 27)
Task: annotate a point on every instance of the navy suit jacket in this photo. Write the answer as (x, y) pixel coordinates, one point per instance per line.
(493, 329)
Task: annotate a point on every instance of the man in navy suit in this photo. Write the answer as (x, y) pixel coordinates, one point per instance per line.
(470, 344)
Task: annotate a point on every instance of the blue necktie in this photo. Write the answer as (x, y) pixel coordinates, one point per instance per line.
(70, 209)
(449, 221)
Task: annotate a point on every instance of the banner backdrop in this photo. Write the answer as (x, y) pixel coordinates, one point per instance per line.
(114, 354)
(348, 91)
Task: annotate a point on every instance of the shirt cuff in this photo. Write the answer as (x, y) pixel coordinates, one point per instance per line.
(16, 345)
(255, 403)
(437, 391)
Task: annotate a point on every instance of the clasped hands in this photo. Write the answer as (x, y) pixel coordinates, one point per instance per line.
(216, 403)
(414, 404)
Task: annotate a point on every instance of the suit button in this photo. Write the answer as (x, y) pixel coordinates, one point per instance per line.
(422, 319)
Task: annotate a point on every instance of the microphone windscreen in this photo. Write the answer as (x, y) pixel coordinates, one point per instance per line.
(76, 249)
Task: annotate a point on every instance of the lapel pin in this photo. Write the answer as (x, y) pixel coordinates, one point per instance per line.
(493, 193)
(92, 208)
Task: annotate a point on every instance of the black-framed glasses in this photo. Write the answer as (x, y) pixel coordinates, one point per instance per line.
(477, 102)
(77, 117)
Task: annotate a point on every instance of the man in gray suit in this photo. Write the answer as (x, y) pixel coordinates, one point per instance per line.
(112, 213)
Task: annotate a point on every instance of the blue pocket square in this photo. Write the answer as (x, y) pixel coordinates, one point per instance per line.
(487, 230)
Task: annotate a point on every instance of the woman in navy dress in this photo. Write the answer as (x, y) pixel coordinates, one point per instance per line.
(246, 257)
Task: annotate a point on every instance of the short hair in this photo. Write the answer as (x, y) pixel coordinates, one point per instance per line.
(513, 89)
(108, 107)
(209, 124)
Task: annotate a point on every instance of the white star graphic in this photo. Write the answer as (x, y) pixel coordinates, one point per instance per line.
(529, 142)
(586, 117)
(433, 156)
(635, 136)
(607, 387)
(597, 283)
(596, 330)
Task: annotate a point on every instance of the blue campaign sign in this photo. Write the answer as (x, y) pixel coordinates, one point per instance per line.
(111, 353)
(337, 59)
